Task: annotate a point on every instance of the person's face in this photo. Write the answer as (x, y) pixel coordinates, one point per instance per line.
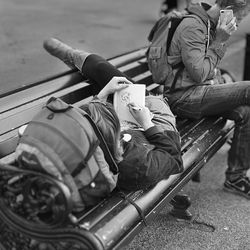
(240, 10)
(240, 13)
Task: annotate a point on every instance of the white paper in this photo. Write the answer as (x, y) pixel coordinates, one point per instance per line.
(133, 93)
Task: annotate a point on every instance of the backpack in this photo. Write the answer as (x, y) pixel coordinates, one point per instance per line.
(64, 142)
(160, 38)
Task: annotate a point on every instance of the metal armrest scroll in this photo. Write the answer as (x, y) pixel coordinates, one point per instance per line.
(31, 199)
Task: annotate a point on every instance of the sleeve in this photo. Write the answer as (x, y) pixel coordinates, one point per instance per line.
(199, 58)
(164, 159)
(149, 158)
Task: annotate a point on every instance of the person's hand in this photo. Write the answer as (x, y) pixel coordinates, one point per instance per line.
(115, 84)
(142, 115)
(225, 29)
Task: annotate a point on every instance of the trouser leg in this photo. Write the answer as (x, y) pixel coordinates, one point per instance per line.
(92, 66)
(99, 70)
(231, 101)
(239, 153)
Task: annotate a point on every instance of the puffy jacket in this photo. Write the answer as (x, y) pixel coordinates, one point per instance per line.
(149, 157)
(193, 44)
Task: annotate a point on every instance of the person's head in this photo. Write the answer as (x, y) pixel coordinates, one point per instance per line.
(106, 119)
(239, 7)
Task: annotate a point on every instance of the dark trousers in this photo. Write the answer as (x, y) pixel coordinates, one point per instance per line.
(232, 101)
(100, 71)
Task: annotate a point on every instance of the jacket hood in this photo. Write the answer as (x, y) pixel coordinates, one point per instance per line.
(201, 11)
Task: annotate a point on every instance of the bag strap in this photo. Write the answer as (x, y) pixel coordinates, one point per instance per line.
(178, 73)
(174, 24)
(175, 21)
(103, 144)
(57, 105)
(137, 207)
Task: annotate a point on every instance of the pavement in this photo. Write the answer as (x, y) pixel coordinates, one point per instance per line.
(221, 220)
(107, 27)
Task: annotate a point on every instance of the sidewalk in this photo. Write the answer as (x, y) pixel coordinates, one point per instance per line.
(106, 27)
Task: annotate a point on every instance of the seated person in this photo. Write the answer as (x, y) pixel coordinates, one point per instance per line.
(144, 156)
(200, 91)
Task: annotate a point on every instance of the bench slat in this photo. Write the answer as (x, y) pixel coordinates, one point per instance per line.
(126, 58)
(35, 92)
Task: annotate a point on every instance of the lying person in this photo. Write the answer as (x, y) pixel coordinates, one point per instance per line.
(144, 155)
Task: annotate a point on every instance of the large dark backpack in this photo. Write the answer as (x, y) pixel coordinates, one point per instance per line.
(160, 38)
(63, 141)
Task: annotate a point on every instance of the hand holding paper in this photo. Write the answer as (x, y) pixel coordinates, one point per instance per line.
(142, 115)
(112, 86)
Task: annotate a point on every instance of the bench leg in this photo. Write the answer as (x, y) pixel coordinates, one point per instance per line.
(197, 177)
(181, 203)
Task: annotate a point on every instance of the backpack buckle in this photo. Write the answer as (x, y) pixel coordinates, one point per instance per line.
(57, 105)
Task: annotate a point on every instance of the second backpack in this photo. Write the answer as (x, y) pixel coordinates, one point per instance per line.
(160, 38)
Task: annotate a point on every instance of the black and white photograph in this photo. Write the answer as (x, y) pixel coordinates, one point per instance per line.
(125, 125)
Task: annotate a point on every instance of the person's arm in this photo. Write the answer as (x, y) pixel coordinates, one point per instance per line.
(142, 115)
(199, 60)
(146, 162)
(165, 157)
(223, 32)
(115, 84)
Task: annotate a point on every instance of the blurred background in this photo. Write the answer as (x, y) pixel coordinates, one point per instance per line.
(107, 27)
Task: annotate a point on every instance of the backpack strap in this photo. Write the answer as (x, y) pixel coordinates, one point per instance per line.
(178, 73)
(103, 144)
(57, 105)
(175, 21)
(133, 203)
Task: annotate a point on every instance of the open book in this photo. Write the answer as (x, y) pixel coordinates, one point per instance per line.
(133, 93)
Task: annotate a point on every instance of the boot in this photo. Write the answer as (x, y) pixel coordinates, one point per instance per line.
(72, 57)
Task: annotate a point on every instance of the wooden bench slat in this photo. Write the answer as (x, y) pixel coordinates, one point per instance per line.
(36, 92)
(200, 131)
(144, 78)
(22, 114)
(135, 68)
(128, 57)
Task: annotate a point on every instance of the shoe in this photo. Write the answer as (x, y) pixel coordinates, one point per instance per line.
(72, 57)
(239, 186)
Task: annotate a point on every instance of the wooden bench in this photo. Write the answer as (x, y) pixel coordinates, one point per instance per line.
(33, 218)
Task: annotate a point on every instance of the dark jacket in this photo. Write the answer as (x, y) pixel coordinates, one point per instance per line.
(149, 157)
